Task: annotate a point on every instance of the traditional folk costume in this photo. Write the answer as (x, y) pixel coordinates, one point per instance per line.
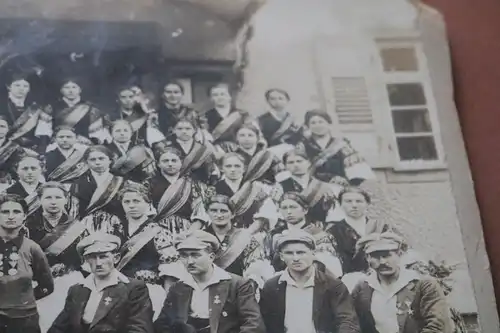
(326, 254)
(149, 254)
(59, 244)
(29, 194)
(85, 118)
(30, 126)
(281, 135)
(167, 118)
(135, 163)
(242, 254)
(338, 163)
(10, 152)
(222, 125)
(63, 167)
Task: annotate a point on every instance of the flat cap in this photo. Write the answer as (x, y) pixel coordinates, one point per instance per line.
(385, 241)
(295, 236)
(197, 240)
(98, 242)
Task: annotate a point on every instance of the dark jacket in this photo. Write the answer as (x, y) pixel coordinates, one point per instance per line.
(129, 310)
(236, 312)
(333, 311)
(428, 311)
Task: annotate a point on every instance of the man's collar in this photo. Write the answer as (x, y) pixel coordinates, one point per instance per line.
(218, 275)
(405, 277)
(286, 277)
(115, 278)
(17, 241)
(28, 186)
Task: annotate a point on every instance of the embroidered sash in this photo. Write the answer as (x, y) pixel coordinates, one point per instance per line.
(258, 165)
(237, 245)
(132, 159)
(136, 120)
(233, 120)
(33, 202)
(6, 151)
(284, 127)
(174, 198)
(72, 167)
(244, 198)
(104, 193)
(326, 154)
(135, 244)
(62, 237)
(26, 122)
(72, 115)
(198, 155)
(315, 191)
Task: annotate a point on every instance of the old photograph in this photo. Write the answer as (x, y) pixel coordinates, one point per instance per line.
(224, 166)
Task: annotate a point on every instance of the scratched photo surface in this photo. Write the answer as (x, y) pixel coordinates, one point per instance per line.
(268, 170)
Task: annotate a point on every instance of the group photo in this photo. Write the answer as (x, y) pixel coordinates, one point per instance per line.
(143, 195)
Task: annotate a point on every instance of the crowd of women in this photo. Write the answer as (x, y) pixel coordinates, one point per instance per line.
(147, 175)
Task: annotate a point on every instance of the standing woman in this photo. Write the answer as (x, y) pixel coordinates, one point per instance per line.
(71, 110)
(22, 263)
(97, 191)
(333, 159)
(148, 251)
(57, 234)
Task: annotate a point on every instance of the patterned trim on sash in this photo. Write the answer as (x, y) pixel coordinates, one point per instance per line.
(72, 167)
(233, 120)
(198, 155)
(33, 202)
(315, 191)
(239, 241)
(284, 126)
(244, 198)
(132, 159)
(326, 154)
(136, 121)
(7, 150)
(62, 237)
(258, 166)
(26, 122)
(104, 193)
(72, 115)
(135, 244)
(174, 198)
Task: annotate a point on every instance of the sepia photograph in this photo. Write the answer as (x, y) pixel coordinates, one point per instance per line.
(223, 166)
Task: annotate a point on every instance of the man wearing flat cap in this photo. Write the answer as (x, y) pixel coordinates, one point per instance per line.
(106, 300)
(393, 299)
(302, 299)
(208, 299)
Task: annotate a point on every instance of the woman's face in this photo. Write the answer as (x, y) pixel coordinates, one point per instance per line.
(121, 132)
(354, 205)
(220, 214)
(19, 88)
(127, 99)
(292, 211)
(134, 205)
(233, 168)
(172, 94)
(318, 126)
(170, 164)
(12, 215)
(65, 139)
(297, 165)
(277, 100)
(220, 96)
(53, 200)
(29, 170)
(184, 131)
(71, 90)
(246, 138)
(4, 128)
(98, 162)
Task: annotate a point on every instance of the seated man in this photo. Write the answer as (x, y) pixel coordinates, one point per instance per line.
(106, 300)
(302, 299)
(208, 299)
(394, 299)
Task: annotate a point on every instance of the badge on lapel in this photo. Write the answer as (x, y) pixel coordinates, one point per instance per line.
(107, 300)
(217, 299)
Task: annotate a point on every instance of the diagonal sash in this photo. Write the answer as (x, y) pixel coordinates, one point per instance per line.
(62, 237)
(136, 120)
(233, 120)
(284, 126)
(25, 123)
(6, 151)
(72, 167)
(72, 115)
(104, 193)
(198, 155)
(326, 154)
(174, 198)
(135, 244)
(33, 202)
(237, 245)
(315, 191)
(258, 165)
(244, 198)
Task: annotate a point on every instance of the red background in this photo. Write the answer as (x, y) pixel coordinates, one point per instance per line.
(474, 35)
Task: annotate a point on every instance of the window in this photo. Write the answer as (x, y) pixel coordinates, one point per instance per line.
(411, 104)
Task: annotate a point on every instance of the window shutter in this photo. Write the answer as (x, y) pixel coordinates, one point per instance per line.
(352, 102)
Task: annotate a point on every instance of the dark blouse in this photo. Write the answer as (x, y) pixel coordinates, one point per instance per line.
(270, 125)
(82, 127)
(159, 185)
(168, 118)
(237, 267)
(53, 159)
(212, 118)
